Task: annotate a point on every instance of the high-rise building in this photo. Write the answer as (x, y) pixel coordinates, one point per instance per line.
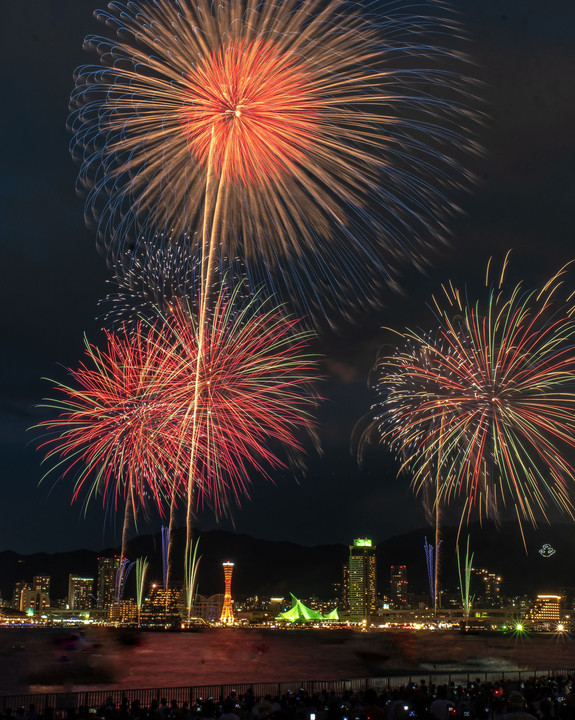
(19, 587)
(488, 594)
(41, 585)
(398, 586)
(227, 616)
(344, 602)
(362, 579)
(107, 577)
(79, 592)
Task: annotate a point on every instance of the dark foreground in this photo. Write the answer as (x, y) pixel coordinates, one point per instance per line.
(546, 698)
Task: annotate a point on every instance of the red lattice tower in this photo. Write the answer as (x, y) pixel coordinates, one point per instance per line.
(227, 616)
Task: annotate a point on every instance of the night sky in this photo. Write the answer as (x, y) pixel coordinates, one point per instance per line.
(53, 277)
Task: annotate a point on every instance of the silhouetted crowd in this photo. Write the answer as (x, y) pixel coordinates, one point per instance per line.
(540, 698)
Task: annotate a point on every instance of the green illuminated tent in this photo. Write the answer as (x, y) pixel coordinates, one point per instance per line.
(300, 613)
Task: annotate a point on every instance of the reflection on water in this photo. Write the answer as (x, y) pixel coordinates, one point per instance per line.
(35, 659)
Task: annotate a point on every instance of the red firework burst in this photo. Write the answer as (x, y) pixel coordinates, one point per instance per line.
(118, 431)
(253, 393)
(140, 423)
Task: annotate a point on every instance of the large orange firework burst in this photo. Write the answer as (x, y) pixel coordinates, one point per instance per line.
(329, 128)
(259, 106)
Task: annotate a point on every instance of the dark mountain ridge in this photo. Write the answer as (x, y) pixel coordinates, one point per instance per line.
(264, 567)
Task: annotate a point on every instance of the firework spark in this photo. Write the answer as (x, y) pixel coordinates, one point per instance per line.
(140, 425)
(330, 129)
(159, 277)
(117, 433)
(246, 393)
(486, 403)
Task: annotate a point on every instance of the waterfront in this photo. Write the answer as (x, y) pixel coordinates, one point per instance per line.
(41, 660)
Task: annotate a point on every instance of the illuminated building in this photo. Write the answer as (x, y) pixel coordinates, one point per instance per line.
(227, 616)
(162, 608)
(123, 613)
(489, 591)
(33, 599)
(41, 587)
(106, 587)
(209, 608)
(362, 579)
(26, 601)
(398, 586)
(275, 606)
(344, 603)
(79, 592)
(545, 613)
(19, 587)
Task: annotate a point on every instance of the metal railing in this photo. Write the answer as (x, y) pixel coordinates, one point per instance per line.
(92, 700)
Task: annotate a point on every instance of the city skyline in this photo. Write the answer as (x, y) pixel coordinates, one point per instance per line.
(54, 276)
(272, 568)
(107, 599)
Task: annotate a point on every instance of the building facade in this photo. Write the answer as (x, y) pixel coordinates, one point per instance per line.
(398, 586)
(545, 612)
(488, 591)
(79, 592)
(362, 570)
(107, 580)
(163, 607)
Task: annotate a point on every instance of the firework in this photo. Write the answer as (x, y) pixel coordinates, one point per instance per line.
(485, 405)
(153, 418)
(244, 380)
(323, 129)
(141, 570)
(191, 569)
(117, 433)
(159, 276)
(165, 554)
(122, 573)
(465, 580)
(432, 562)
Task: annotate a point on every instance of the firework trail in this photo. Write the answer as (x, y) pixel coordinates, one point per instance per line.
(165, 548)
(141, 570)
(465, 580)
(486, 403)
(431, 560)
(122, 574)
(315, 135)
(192, 565)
